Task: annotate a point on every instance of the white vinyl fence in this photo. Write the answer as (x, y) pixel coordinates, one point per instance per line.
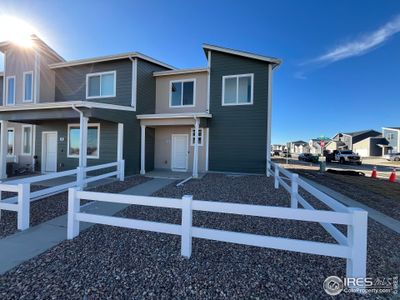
(352, 247)
(22, 187)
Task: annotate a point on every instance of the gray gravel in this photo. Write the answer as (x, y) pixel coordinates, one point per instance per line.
(57, 205)
(113, 263)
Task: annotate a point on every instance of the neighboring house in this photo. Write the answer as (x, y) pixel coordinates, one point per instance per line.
(298, 147)
(278, 147)
(147, 108)
(392, 135)
(345, 141)
(371, 146)
(315, 145)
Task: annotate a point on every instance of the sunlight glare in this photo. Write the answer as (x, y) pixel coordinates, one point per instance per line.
(16, 30)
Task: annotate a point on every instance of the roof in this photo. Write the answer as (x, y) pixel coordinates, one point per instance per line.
(275, 61)
(64, 104)
(42, 46)
(355, 133)
(85, 61)
(395, 128)
(299, 142)
(180, 72)
(173, 116)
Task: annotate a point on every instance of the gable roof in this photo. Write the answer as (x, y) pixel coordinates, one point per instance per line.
(299, 142)
(91, 60)
(42, 46)
(356, 133)
(272, 60)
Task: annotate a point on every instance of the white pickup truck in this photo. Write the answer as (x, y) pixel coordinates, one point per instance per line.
(343, 156)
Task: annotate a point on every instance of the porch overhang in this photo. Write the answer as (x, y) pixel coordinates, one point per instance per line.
(37, 112)
(172, 119)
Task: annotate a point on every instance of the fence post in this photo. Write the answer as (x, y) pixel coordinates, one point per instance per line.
(276, 175)
(186, 241)
(73, 208)
(121, 170)
(294, 191)
(356, 265)
(23, 206)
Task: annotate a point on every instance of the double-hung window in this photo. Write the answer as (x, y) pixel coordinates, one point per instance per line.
(182, 93)
(27, 140)
(101, 85)
(93, 140)
(28, 87)
(10, 138)
(237, 89)
(10, 90)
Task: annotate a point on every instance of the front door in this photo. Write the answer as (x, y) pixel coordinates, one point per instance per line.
(49, 145)
(179, 161)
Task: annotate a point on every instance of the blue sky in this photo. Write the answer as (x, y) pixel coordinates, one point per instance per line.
(341, 59)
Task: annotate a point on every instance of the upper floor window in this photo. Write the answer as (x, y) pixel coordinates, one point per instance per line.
(237, 89)
(390, 136)
(28, 86)
(10, 90)
(182, 93)
(100, 85)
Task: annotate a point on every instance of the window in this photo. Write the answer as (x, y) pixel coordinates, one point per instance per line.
(26, 140)
(100, 85)
(10, 90)
(390, 136)
(200, 137)
(93, 140)
(237, 89)
(10, 148)
(28, 86)
(182, 93)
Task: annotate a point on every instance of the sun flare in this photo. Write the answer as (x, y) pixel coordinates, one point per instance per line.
(16, 30)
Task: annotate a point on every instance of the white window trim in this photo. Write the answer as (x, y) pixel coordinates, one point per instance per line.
(13, 153)
(192, 137)
(6, 99)
(237, 89)
(100, 74)
(23, 87)
(98, 141)
(22, 140)
(182, 81)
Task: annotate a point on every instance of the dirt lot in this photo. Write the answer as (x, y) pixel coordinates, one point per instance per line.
(379, 194)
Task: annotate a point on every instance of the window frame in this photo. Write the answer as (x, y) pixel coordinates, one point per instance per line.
(13, 144)
(22, 139)
(76, 125)
(182, 81)
(192, 136)
(114, 72)
(23, 87)
(7, 90)
(237, 76)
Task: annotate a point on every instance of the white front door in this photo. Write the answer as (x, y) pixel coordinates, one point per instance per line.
(179, 161)
(49, 145)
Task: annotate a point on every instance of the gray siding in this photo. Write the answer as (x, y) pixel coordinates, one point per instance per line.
(392, 142)
(238, 134)
(71, 82)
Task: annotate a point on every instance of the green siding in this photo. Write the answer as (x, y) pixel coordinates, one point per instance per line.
(238, 134)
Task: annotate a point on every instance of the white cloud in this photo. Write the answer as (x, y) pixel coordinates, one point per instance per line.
(362, 45)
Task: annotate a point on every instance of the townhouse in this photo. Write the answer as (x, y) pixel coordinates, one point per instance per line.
(134, 107)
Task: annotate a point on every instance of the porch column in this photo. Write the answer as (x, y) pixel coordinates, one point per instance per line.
(120, 151)
(3, 149)
(83, 135)
(196, 149)
(142, 149)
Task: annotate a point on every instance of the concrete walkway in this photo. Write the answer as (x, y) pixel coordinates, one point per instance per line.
(377, 216)
(22, 246)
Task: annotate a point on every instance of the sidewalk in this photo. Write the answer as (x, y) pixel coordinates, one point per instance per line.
(377, 216)
(24, 245)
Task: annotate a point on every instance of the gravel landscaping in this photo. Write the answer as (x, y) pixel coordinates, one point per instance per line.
(106, 262)
(57, 205)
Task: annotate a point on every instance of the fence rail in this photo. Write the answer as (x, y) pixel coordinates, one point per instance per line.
(22, 187)
(352, 247)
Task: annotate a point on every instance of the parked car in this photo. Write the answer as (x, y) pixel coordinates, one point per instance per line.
(308, 157)
(343, 156)
(285, 154)
(275, 152)
(393, 156)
